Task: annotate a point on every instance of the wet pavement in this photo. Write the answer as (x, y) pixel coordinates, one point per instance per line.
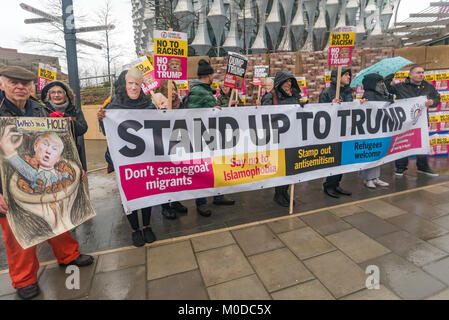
(320, 252)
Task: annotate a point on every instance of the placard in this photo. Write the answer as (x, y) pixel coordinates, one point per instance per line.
(170, 55)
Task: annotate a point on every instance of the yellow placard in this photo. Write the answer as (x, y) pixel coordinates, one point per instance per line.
(444, 97)
(182, 85)
(429, 77)
(442, 76)
(301, 83)
(342, 39)
(170, 47)
(401, 75)
(47, 74)
(249, 167)
(145, 66)
(439, 141)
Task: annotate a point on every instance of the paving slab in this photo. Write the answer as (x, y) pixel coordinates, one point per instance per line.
(346, 211)
(443, 295)
(370, 224)
(306, 243)
(382, 293)
(382, 209)
(442, 221)
(439, 269)
(124, 284)
(170, 259)
(286, 225)
(53, 282)
(223, 264)
(256, 239)
(212, 241)
(438, 189)
(325, 223)
(416, 203)
(279, 269)
(182, 286)
(444, 207)
(411, 248)
(121, 260)
(440, 242)
(6, 285)
(340, 275)
(404, 278)
(245, 288)
(356, 245)
(311, 290)
(419, 227)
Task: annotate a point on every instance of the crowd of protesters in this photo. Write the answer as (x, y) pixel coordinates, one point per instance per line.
(17, 100)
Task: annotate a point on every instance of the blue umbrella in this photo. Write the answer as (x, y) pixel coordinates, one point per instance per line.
(383, 68)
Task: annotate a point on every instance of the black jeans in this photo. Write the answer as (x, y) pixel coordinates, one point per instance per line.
(332, 182)
(281, 189)
(134, 219)
(421, 162)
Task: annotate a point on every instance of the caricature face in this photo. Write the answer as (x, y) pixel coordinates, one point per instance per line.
(47, 152)
(133, 87)
(174, 65)
(344, 53)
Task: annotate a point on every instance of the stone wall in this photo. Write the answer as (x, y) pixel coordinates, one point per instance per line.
(311, 65)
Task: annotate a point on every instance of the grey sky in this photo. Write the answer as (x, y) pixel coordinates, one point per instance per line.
(14, 29)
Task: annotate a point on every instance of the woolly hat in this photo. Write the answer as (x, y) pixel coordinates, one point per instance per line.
(68, 91)
(204, 68)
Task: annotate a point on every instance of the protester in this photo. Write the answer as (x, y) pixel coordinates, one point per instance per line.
(414, 86)
(225, 96)
(169, 210)
(266, 88)
(285, 91)
(332, 184)
(60, 100)
(201, 96)
(374, 90)
(129, 95)
(23, 264)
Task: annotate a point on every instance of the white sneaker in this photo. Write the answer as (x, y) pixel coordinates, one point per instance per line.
(370, 184)
(381, 183)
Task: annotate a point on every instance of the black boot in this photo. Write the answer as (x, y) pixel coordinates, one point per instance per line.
(177, 206)
(138, 239)
(342, 191)
(203, 211)
(29, 292)
(169, 213)
(82, 261)
(224, 201)
(331, 192)
(148, 235)
(281, 200)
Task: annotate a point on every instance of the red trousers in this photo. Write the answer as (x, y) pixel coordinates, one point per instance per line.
(23, 263)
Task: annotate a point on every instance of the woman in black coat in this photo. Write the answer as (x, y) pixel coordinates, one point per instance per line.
(60, 101)
(375, 90)
(129, 95)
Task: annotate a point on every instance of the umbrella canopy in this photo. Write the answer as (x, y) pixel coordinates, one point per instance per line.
(383, 68)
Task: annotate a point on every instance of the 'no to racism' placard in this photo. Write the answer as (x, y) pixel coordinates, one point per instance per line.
(341, 45)
(46, 75)
(235, 72)
(170, 55)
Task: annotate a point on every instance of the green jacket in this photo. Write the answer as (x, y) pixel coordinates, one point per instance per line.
(223, 99)
(200, 96)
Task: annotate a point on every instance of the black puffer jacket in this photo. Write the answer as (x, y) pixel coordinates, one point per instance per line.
(329, 94)
(78, 122)
(281, 95)
(369, 85)
(407, 89)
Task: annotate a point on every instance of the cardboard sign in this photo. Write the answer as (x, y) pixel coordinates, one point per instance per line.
(260, 72)
(439, 144)
(41, 178)
(302, 83)
(170, 55)
(235, 71)
(216, 86)
(327, 79)
(183, 87)
(149, 81)
(46, 74)
(341, 45)
(441, 81)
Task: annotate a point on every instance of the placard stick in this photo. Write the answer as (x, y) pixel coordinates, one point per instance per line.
(231, 97)
(170, 94)
(258, 94)
(337, 95)
(292, 196)
(236, 97)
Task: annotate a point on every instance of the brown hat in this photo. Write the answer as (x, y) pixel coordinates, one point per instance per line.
(18, 73)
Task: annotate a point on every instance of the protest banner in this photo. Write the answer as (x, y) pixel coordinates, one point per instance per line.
(441, 81)
(41, 178)
(46, 74)
(162, 156)
(235, 73)
(439, 144)
(150, 82)
(170, 55)
(302, 83)
(341, 45)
